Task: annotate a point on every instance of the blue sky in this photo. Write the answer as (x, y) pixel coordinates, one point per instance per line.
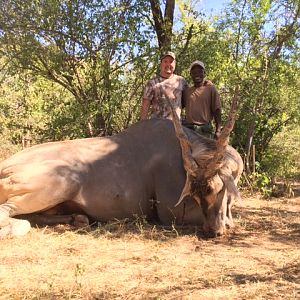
(213, 5)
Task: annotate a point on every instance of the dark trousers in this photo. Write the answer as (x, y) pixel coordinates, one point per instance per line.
(204, 129)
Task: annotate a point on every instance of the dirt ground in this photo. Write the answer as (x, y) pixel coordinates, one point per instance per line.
(259, 259)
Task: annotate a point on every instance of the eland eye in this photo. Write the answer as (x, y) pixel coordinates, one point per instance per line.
(208, 190)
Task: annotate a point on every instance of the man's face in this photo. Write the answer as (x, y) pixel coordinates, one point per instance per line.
(167, 66)
(197, 74)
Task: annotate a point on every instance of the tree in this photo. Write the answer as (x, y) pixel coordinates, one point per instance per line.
(84, 46)
(102, 52)
(163, 23)
(260, 55)
(246, 47)
(240, 49)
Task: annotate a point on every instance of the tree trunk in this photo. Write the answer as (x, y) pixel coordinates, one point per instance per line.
(163, 25)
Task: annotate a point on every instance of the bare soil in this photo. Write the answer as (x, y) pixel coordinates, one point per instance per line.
(259, 259)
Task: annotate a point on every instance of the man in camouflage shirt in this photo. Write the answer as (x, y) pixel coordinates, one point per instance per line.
(166, 83)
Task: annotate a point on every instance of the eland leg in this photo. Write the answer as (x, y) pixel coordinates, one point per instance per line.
(26, 190)
(10, 226)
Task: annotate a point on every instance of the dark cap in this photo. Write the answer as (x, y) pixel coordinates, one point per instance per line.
(197, 63)
(169, 53)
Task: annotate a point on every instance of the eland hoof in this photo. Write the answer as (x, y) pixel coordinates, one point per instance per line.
(80, 221)
(229, 223)
(15, 228)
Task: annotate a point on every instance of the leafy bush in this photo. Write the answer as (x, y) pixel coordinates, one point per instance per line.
(282, 159)
(261, 182)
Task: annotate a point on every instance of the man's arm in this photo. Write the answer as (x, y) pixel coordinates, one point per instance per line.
(216, 104)
(218, 120)
(145, 108)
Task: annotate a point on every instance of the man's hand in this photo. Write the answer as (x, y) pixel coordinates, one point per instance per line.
(144, 109)
(208, 82)
(217, 134)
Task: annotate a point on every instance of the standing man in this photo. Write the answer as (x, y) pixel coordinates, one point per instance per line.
(202, 103)
(166, 83)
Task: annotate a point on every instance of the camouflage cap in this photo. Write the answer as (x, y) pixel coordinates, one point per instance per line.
(169, 53)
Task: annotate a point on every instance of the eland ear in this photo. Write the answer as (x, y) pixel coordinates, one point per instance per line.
(186, 191)
(231, 186)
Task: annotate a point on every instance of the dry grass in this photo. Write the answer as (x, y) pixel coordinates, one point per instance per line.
(259, 260)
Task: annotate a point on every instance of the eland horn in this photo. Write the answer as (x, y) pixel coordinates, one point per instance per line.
(215, 163)
(189, 163)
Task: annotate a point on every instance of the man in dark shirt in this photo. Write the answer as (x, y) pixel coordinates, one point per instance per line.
(202, 103)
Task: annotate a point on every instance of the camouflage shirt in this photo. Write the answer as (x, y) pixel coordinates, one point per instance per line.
(155, 90)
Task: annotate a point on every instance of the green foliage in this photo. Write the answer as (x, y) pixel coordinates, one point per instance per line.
(262, 183)
(282, 158)
(34, 110)
(241, 49)
(84, 46)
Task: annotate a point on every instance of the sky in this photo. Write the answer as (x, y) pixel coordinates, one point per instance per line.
(213, 5)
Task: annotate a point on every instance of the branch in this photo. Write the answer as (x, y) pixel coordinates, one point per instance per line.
(288, 31)
(158, 21)
(188, 39)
